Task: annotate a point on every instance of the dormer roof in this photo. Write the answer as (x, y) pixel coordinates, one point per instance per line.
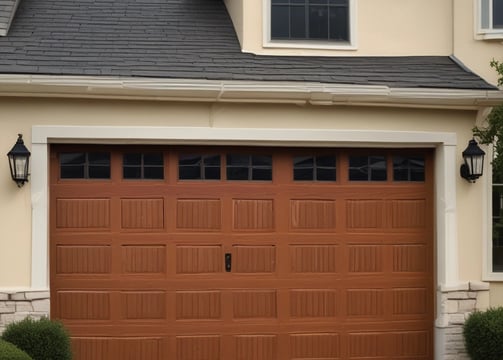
(7, 11)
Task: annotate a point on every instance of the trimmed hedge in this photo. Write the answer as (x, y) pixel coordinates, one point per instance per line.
(9, 351)
(483, 333)
(41, 339)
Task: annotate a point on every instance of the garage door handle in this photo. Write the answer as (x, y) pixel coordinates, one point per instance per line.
(228, 262)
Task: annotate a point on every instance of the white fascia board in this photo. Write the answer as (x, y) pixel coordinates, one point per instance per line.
(243, 92)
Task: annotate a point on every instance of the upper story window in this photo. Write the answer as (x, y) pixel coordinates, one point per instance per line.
(490, 19)
(314, 24)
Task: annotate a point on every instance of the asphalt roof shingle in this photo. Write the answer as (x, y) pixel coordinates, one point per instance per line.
(192, 39)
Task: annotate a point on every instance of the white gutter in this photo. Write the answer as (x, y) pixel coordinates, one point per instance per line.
(300, 93)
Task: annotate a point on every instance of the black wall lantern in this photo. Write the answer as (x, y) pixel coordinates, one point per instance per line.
(19, 159)
(473, 167)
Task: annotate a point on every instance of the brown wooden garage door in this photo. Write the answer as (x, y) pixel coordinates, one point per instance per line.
(242, 254)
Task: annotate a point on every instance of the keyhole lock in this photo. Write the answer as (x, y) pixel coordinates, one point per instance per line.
(228, 262)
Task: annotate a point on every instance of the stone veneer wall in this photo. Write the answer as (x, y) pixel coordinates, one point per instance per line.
(454, 307)
(16, 305)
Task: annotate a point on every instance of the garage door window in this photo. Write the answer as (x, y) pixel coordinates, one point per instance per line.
(408, 168)
(367, 168)
(84, 165)
(249, 167)
(143, 166)
(199, 167)
(314, 168)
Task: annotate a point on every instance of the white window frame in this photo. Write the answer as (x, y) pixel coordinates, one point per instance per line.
(482, 33)
(308, 44)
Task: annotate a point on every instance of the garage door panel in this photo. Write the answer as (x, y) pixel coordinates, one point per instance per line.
(315, 346)
(104, 348)
(314, 258)
(253, 214)
(199, 214)
(202, 259)
(84, 305)
(142, 214)
(256, 303)
(89, 214)
(83, 259)
(143, 259)
(199, 305)
(313, 215)
(252, 259)
(256, 347)
(198, 347)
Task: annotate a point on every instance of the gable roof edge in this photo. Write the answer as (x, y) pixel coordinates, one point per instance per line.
(300, 93)
(4, 31)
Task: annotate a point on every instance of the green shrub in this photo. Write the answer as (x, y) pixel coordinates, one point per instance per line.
(483, 333)
(9, 351)
(41, 339)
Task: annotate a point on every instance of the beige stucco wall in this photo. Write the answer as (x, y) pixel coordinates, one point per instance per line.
(19, 115)
(383, 28)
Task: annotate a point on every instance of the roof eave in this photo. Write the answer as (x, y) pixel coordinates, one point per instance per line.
(300, 93)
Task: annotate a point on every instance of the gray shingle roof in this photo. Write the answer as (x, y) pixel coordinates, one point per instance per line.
(192, 39)
(7, 10)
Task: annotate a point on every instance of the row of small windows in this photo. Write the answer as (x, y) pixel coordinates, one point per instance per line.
(150, 166)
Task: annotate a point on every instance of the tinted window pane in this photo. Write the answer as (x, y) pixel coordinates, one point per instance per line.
(212, 173)
(189, 172)
(339, 23)
(498, 14)
(303, 174)
(326, 161)
(237, 173)
(238, 160)
(72, 172)
(99, 158)
(153, 172)
(378, 168)
(153, 159)
(325, 174)
(318, 22)
(212, 160)
(303, 161)
(298, 22)
(132, 159)
(99, 172)
(72, 158)
(280, 19)
(408, 168)
(261, 160)
(189, 160)
(131, 172)
(262, 174)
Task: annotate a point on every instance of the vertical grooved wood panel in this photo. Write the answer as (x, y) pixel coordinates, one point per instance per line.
(254, 304)
(139, 348)
(83, 259)
(312, 214)
(84, 305)
(256, 347)
(315, 346)
(91, 348)
(409, 301)
(143, 305)
(198, 305)
(143, 259)
(367, 345)
(409, 214)
(313, 303)
(364, 214)
(198, 348)
(410, 343)
(83, 213)
(199, 259)
(365, 258)
(253, 214)
(409, 258)
(142, 213)
(198, 214)
(254, 259)
(365, 302)
(313, 258)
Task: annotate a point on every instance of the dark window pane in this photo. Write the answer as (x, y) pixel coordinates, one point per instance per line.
(131, 172)
(238, 160)
(408, 168)
(323, 174)
(262, 174)
(318, 22)
(338, 2)
(212, 160)
(99, 158)
(357, 174)
(72, 158)
(378, 175)
(72, 172)
(303, 161)
(326, 161)
(280, 20)
(378, 168)
(417, 175)
(262, 160)
(498, 14)
(497, 238)
(99, 172)
(154, 172)
(131, 159)
(212, 173)
(153, 159)
(237, 173)
(189, 172)
(303, 174)
(298, 22)
(339, 23)
(189, 160)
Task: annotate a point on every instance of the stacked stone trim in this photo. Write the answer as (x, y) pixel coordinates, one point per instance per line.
(17, 305)
(455, 305)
